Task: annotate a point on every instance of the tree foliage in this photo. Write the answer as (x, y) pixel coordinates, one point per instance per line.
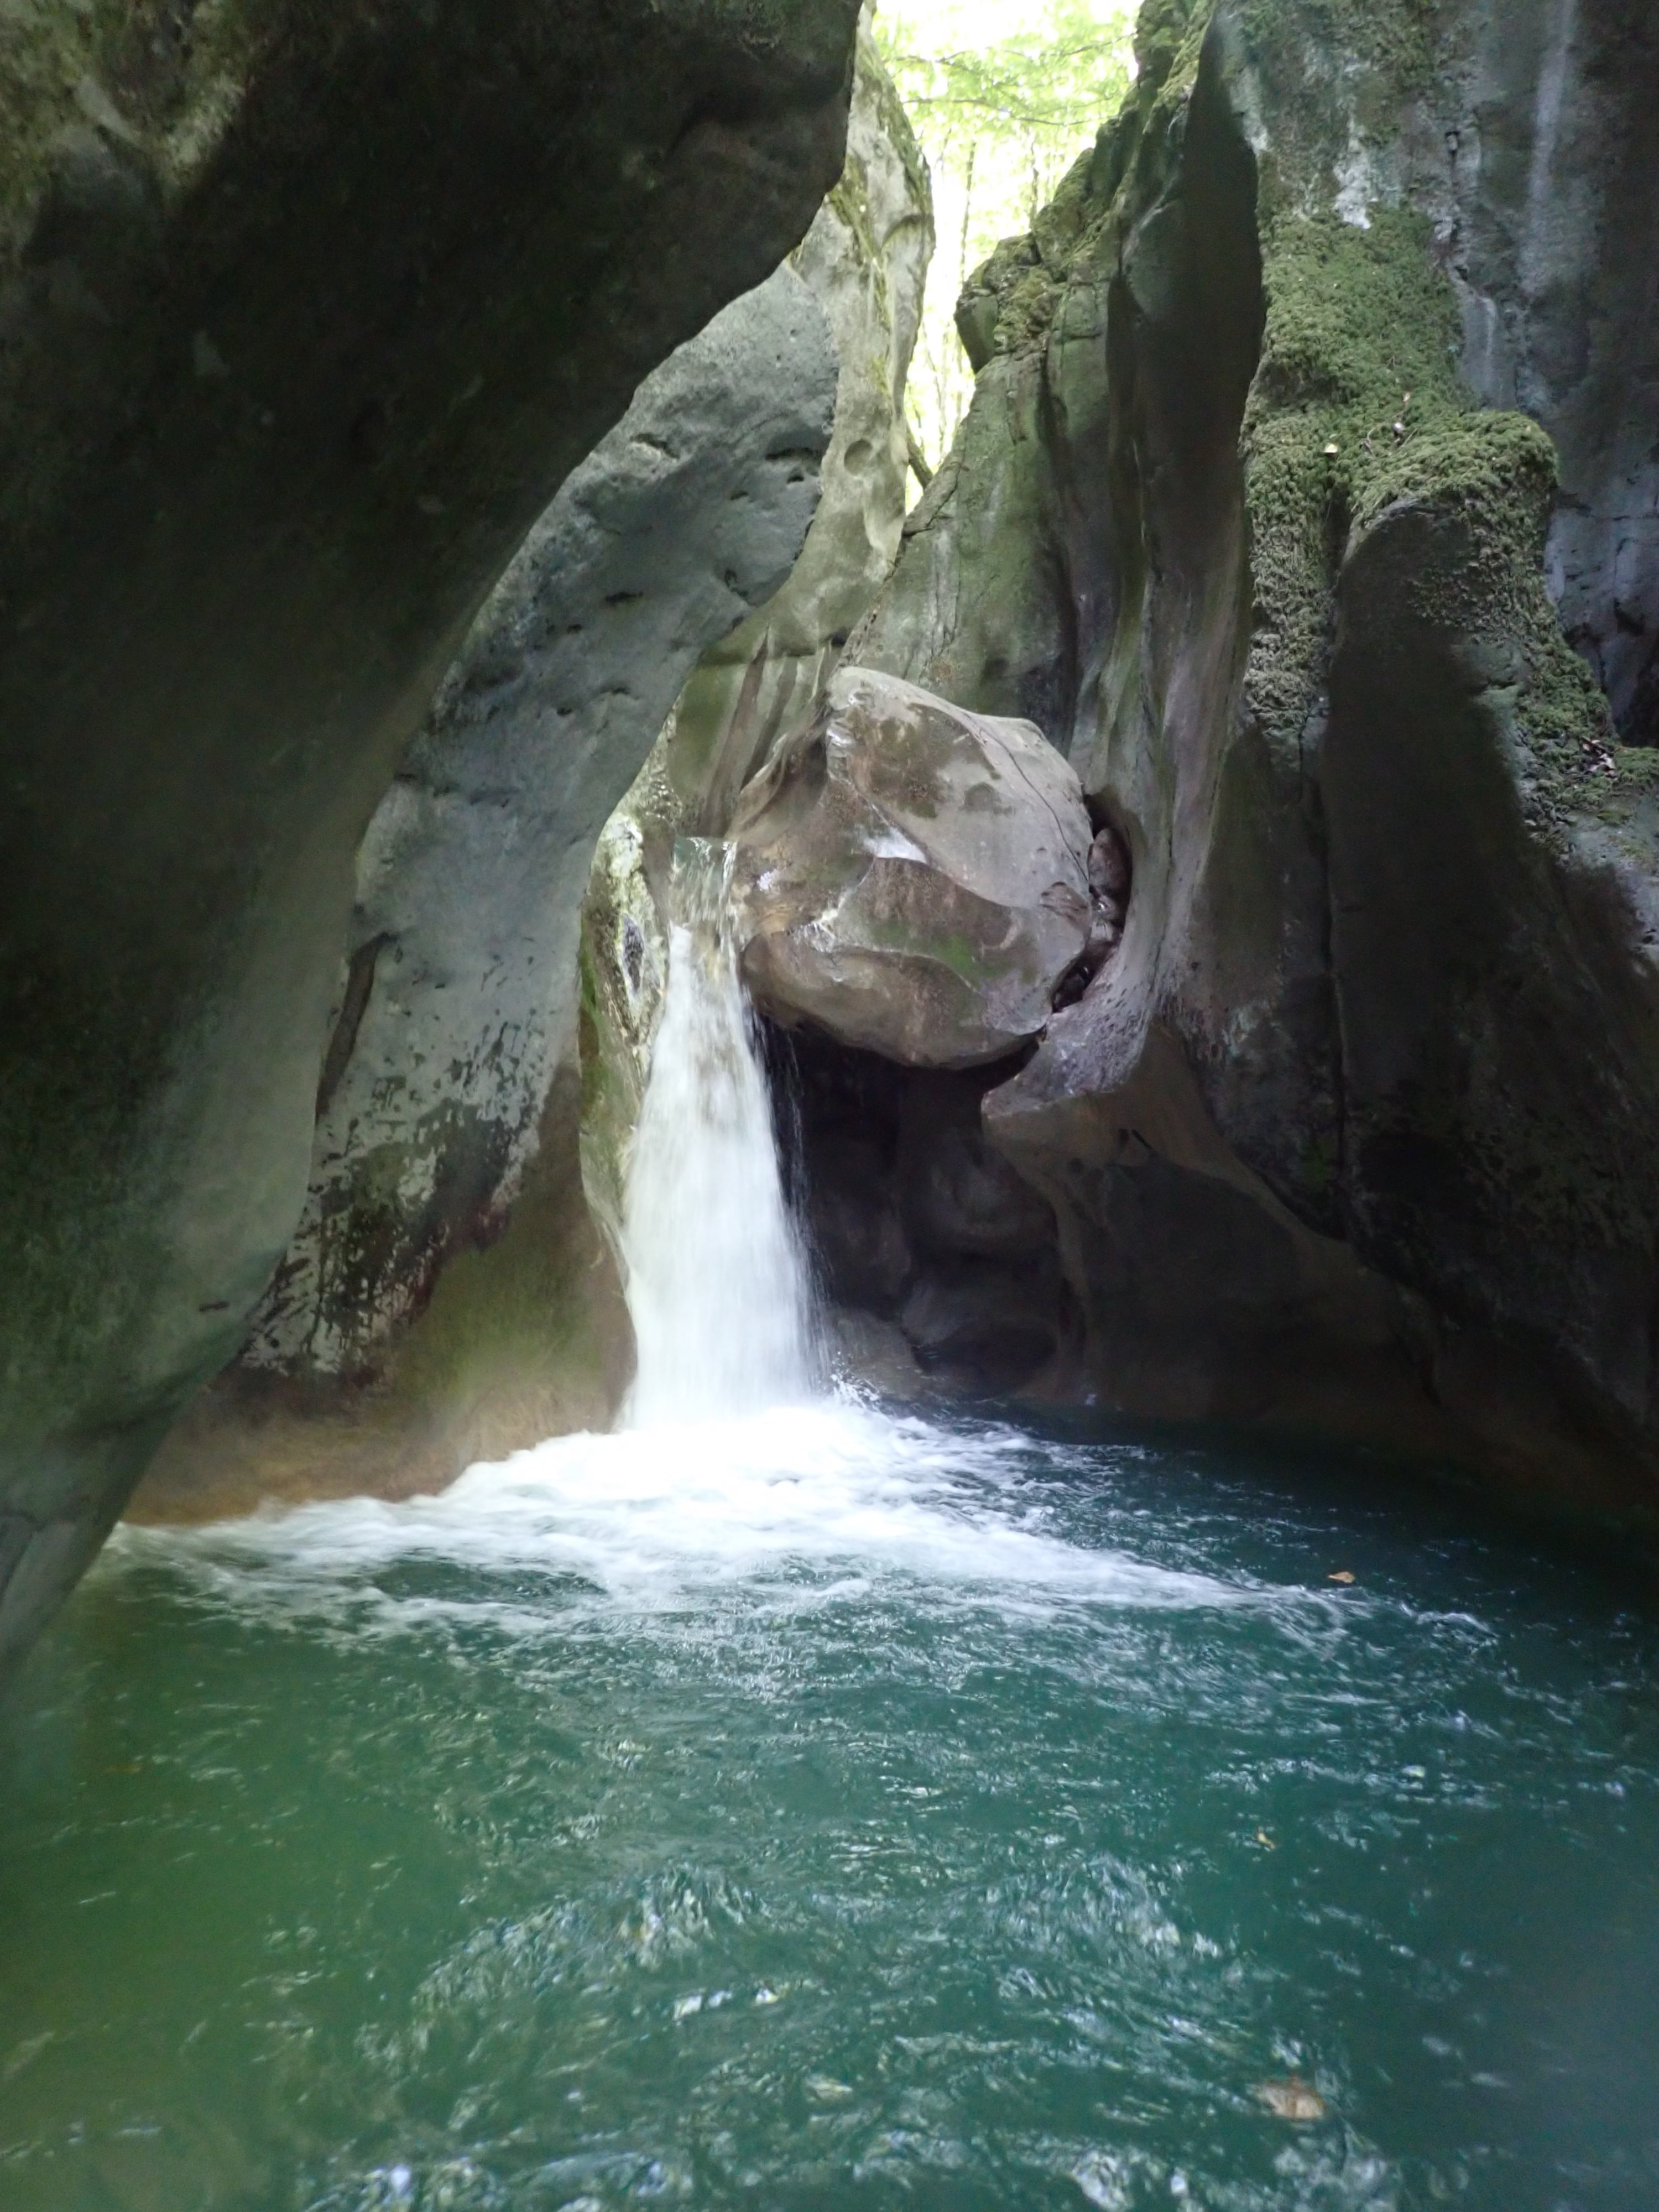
(1000, 121)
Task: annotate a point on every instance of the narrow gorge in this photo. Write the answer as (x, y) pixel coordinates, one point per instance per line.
(832, 1368)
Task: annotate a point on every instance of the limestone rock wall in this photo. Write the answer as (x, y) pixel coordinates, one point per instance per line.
(866, 260)
(413, 1315)
(304, 314)
(458, 990)
(440, 1114)
(1323, 372)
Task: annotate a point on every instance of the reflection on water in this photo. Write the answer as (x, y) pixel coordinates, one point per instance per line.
(828, 1808)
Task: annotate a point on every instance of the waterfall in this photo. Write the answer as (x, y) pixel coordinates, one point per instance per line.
(717, 1282)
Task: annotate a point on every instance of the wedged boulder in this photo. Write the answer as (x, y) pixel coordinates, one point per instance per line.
(911, 878)
(305, 315)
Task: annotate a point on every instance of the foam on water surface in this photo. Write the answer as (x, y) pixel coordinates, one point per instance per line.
(790, 1503)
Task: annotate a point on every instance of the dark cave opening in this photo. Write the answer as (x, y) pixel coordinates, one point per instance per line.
(911, 1216)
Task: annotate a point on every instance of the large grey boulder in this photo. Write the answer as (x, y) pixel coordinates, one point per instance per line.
(1325, 370)
(304, 314)
(911, 878)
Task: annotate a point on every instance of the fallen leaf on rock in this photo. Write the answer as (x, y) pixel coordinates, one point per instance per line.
(1293, 2099)
(1342, 1575)
(826, 2090)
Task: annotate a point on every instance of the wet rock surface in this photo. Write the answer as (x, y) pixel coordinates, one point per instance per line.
(959, 1196)
(940, 1261)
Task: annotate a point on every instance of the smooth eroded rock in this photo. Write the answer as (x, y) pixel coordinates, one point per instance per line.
(305, 315)
(912, 877)
(866, 258)
(459, 991)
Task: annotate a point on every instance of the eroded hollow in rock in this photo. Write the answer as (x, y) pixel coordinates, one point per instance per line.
(914, 1221)
(1111, 879)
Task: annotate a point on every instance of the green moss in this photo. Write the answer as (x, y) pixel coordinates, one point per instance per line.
(1161, 29)
(165, 79)
(1497, 473)
(1356, 319)
(1375, 56)
(1013, 295)
(1357, 408)
(1357, 368)
(1182, 25)
(45, 50)
(1497, 469)
(1398, 40)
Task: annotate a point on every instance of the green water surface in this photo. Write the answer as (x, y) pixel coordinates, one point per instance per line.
(835, 1811)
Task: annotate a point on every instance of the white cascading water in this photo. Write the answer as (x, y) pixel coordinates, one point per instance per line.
(717, 1283)
(734, 1469)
